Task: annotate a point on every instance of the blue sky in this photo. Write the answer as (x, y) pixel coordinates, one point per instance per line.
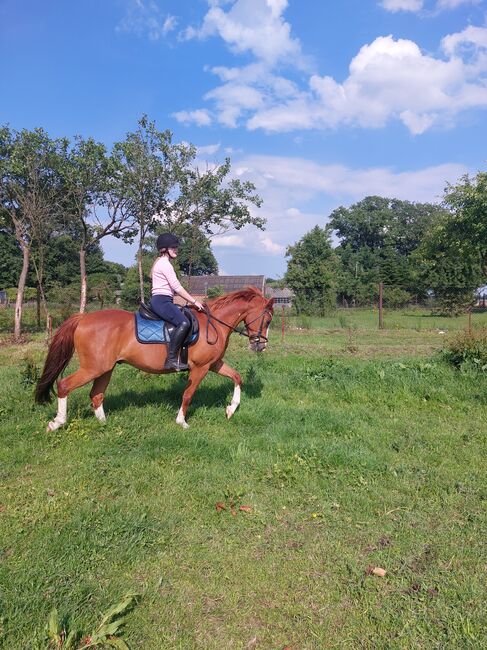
(320, 103)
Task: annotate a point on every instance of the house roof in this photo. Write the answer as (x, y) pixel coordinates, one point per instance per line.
(199, 284)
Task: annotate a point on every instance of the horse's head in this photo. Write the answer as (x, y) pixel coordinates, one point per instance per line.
(257, 322)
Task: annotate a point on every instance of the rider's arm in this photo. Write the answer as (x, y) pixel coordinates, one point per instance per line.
(187, 296)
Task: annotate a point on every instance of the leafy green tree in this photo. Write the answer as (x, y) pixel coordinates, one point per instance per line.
(210, 202)
(195, 255)
(95, 200)
(149, 162)
(312, 272)
(10, 260)
(467, 228)
(453, 257)
(377, 239)
(30, 196)
(130, 295)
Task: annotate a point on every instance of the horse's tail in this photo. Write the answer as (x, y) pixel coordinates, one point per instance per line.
(59, 355)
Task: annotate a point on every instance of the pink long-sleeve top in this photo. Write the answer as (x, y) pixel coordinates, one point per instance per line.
(164, 279)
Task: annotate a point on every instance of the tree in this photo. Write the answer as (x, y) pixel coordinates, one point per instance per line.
(467, 228)
(195, 255)
(453, 257)
(29, 195)
(210, 203)
(10, 260)
(95, 200)
(131, 287)
(149, 164)
(311, 272)
(377, 239)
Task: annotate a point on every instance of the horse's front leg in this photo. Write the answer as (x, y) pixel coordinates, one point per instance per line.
(196, 375)
(221, 368)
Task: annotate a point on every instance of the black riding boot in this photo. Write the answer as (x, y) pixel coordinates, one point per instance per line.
(177, 339)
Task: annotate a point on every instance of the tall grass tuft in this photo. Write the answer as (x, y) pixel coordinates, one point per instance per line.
(468, 347)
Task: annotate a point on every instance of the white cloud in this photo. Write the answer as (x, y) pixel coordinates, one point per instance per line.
(209, 149)
(389, 79)
(473, 39)
(144, 18)
(255, 26)
(228, 241)
(314, 191)
(200, 117)
(271, 247)
(303, 179)
(402, 5)
(453, 4)
(418, 5)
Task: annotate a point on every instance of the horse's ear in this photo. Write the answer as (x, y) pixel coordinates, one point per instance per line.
(270, 303)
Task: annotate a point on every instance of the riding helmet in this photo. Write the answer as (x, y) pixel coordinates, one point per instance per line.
(167, 240)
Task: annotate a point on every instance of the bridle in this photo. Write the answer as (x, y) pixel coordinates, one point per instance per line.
(253, 338)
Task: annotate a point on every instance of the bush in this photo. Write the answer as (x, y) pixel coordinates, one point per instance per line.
(30, 293)
(468, 347)
(395, 297)
(215, 292)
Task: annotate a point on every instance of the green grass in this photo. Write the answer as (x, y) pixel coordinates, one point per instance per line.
(352, 453)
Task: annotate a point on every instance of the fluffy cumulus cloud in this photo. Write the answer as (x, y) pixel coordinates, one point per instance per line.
(254, 26)
(389, 78)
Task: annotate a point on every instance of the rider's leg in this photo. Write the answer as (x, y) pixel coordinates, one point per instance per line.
(164, 307)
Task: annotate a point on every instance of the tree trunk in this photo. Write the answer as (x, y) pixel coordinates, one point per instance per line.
(38, 301)
(141, 273)
(82, 268)
(20, 292)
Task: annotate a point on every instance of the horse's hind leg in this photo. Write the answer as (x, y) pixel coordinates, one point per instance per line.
(97, 394)
(64, 387)
(221, 368)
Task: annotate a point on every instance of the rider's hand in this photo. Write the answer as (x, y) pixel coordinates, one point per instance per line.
(198, 305)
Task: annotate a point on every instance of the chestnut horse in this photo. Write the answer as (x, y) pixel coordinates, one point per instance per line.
(104, 338)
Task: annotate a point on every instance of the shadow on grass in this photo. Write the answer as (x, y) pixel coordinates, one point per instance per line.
(210, 396)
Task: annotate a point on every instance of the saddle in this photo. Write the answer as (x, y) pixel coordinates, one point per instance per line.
(151, 328)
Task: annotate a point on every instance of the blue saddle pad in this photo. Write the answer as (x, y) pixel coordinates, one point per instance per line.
(150, 331)
(160, 331)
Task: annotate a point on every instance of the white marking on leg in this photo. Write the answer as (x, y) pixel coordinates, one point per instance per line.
(60, 419)
(100, 414)
(235, 402)
(180, 419)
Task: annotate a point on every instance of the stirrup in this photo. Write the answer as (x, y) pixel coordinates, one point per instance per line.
(175, 364)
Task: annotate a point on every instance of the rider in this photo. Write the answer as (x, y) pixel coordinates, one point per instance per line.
(164, 285)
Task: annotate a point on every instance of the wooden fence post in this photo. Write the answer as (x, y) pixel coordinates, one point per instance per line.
(381, 319)
(282, 323)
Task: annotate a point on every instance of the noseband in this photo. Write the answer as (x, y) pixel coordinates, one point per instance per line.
(257, 338)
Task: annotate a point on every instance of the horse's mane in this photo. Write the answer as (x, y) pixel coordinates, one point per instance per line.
(247, 294)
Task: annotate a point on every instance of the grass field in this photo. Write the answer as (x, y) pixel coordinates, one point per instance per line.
(353, 449)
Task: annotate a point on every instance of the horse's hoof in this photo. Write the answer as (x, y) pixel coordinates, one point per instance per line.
(229, 411)
(52, 426)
